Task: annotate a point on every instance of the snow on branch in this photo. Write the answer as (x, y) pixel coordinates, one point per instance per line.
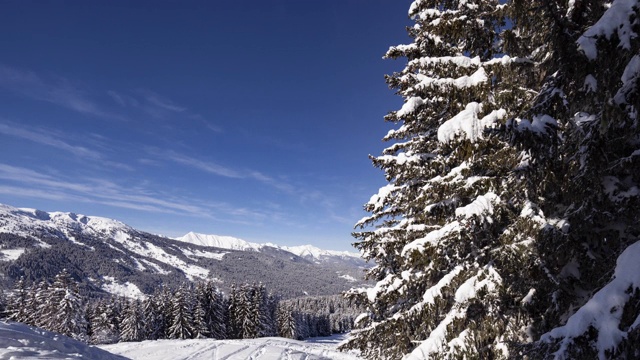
(436, 342)
(432, 238)
(630, 80)
(477, 78)
(604, 310)
(539, 124)
(482, 207)
(378, 200)
(617, 19)
(461, 61)
(466, 123)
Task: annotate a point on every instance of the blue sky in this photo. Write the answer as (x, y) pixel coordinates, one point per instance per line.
(245, 118)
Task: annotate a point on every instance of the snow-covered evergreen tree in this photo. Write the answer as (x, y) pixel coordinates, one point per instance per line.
(248, 312)
(234, 324)
(104, 323)
(593, 309)
(286, 320)
(200, 325)
(452, 226)
(3, 304)
(162, 301)
(215, 311)
(513, 186)
(38, 311)
(63, 311)
(181, 315)
(131, 322)
(153, 319)
(261, 311)
(17, 308)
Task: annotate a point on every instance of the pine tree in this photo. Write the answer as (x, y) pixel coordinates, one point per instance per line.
(209, 314)
(456, 218)
(591, 308)
(131, 322)
(215, 311)
(286, 320)
(181, 315)
(17, 302)
(104, 323)
(64, 308)
(234, 324)
(162, 301)
(200, 324)
(260, 312)
(38, 298)
(511, 211)
(248, 312)
(152, 318)
(3, 304)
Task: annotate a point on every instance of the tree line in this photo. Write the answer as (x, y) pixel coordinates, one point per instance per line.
(190, 311)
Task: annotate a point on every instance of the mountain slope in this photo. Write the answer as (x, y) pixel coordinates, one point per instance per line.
(108, 256)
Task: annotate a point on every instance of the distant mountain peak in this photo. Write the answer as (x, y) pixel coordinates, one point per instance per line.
(232, 243)
(223, 242)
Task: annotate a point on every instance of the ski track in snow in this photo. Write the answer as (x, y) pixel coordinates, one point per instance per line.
(250, 349)
(19, 341)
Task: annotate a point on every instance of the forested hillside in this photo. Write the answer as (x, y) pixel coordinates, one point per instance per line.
(105, 255)
(189, 311)
(511, 213)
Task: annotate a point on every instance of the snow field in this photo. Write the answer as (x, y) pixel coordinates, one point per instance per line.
(271, 348)
(19, 341)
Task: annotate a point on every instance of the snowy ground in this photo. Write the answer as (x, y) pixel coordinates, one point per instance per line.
(19, 341)
(255, 349)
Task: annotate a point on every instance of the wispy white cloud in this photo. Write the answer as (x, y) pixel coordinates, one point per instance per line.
(306, 197)
(280, 185)
(34, 193)
(53, 89)
(220, 170)
(31, 183)
(161, 102)
(213, 127)
(148, 102)
(55, 139)
(123, 100)
(206, 166)
(208, 124)
(46, 138)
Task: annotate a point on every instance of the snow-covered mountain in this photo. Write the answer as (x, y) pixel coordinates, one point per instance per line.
(108, 255)
(24, 222)
(232, 243)
(223, 242)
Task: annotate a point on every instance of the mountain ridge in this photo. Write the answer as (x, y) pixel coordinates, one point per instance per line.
(110, 256)
(233, 243)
